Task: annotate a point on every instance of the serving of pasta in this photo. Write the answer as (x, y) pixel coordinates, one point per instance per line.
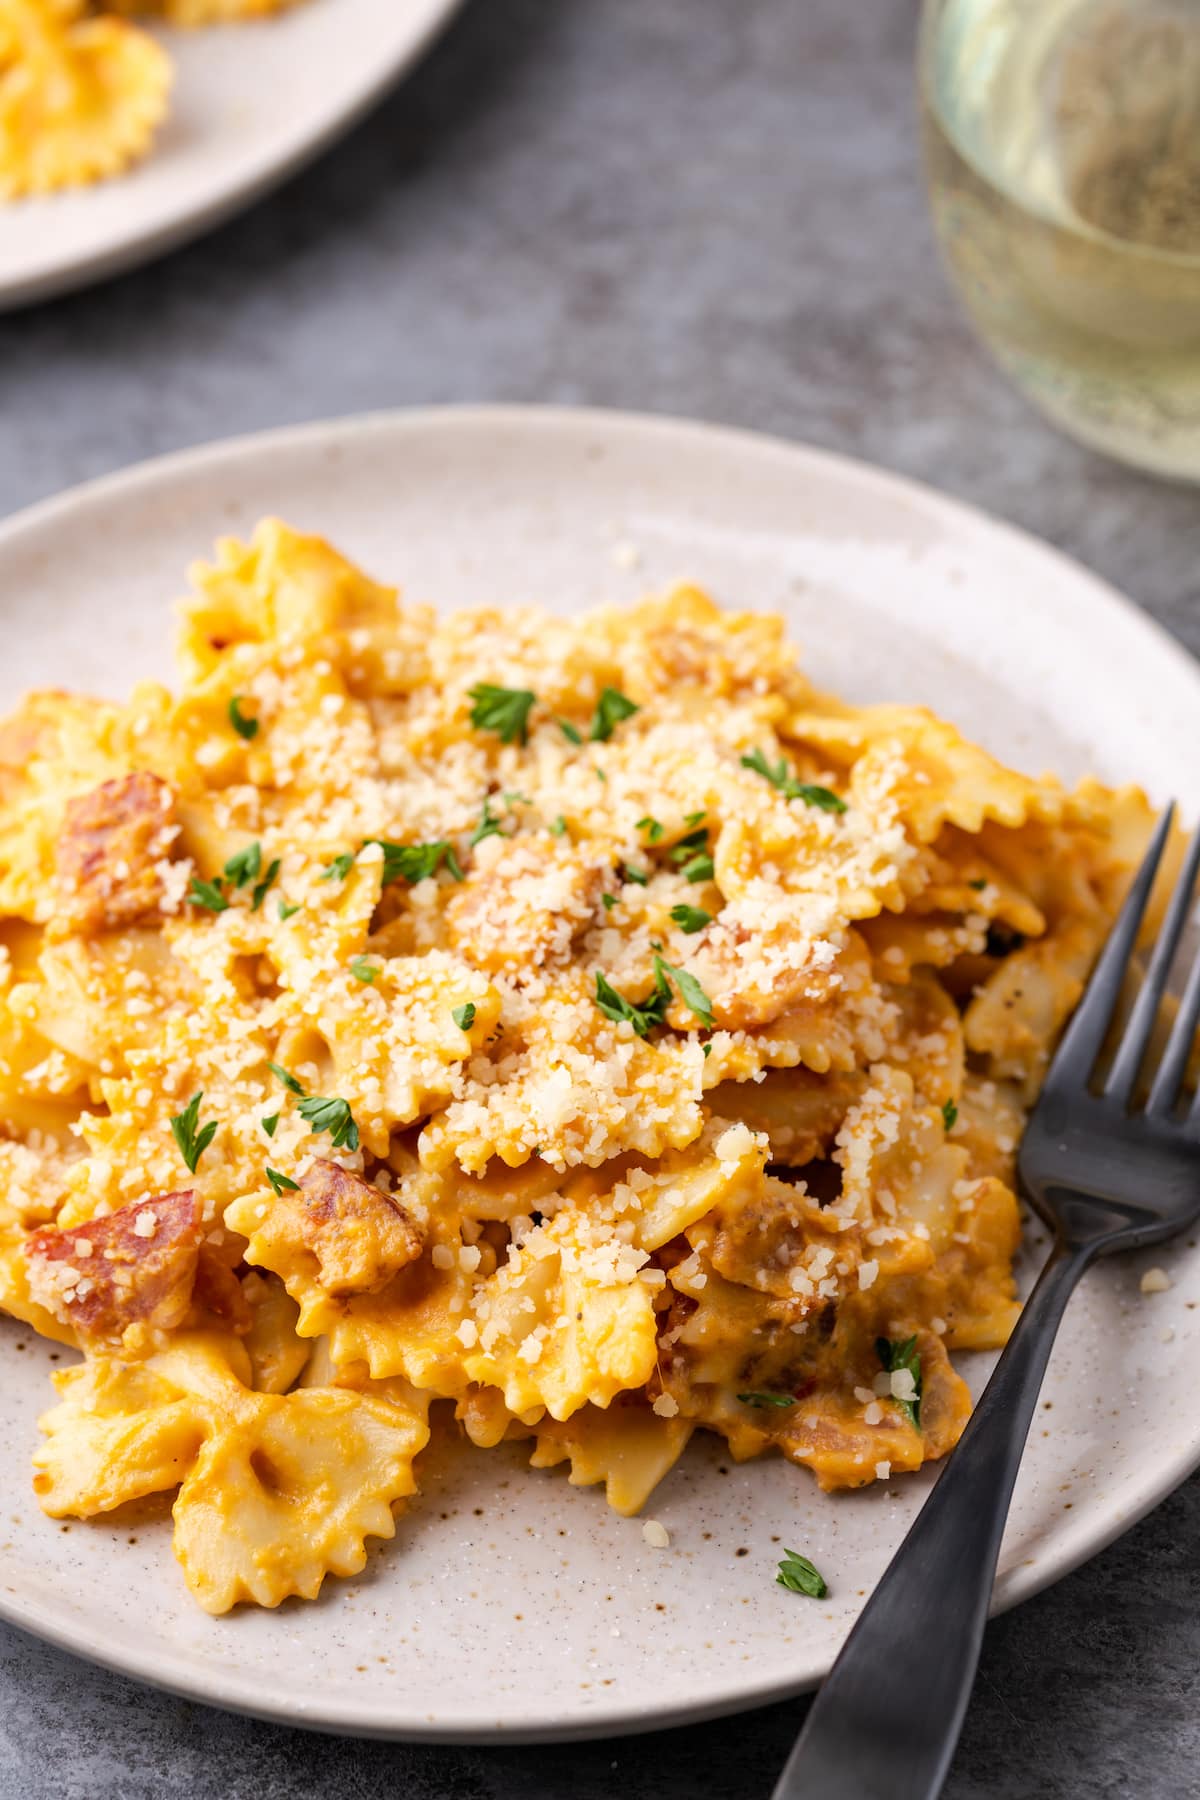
(84, 87)
(578, 1031)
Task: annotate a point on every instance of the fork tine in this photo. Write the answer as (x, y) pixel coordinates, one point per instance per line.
(1171, 1069)
(1136, 1036)
(1081, 1041)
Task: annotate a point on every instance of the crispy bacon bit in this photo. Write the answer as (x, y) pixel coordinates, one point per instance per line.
(111, 852)
(128, 1277)
(360, 1237)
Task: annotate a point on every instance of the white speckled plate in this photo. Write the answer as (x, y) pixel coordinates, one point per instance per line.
(511, 1605)
(250, 104)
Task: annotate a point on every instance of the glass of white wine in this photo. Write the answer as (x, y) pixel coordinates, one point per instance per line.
(1062, 141)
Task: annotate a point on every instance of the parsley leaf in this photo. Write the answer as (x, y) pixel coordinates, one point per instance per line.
(569, 731)
(333, 1116)
(488, 826)
(643, 1018)
(707, 1049)
(949, 1115)
(760, 1399)
(611, 708)
(695, 843)
(263, 888)
(339, 868)
(270, 1124)
(558, 827)
(690, 991)
(416, 862)
(207, 894)
(363, 971)
(791, 789)
(192, 1142)
(464, 1016)
(281, 1182)
(651, 827)
(244, 865)
(700, 868)
(799, 1576)
(289, 1081)
(694, 818)
(608, 901)
(501, 709)
(636, 876)
(512, 795)
(897, 1354)
(690, 918)
(978, 885)
(286, 910)
(245, 726)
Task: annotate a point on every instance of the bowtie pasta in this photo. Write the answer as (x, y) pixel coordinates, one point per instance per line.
(82, 91)
(580, 1022)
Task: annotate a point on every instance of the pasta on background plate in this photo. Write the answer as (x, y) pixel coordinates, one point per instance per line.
(580, 1022)
(83, 90)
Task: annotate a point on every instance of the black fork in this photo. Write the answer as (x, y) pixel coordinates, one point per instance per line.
(1104, 1176)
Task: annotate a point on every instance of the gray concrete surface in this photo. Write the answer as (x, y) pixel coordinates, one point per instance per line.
(710, 207)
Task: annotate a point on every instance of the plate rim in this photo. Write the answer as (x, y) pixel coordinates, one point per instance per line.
(208, 1686)
(90, 268)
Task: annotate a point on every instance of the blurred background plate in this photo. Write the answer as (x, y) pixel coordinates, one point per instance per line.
(250, 104)
(511, 1605)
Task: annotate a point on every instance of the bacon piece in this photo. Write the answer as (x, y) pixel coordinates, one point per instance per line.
(110, 853)
(360, 1237)
(135, 1267)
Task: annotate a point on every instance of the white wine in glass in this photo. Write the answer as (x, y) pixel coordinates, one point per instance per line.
(1062, 142)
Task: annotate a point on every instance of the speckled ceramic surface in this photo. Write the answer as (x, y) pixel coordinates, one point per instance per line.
(250, 103)
(510, 1603)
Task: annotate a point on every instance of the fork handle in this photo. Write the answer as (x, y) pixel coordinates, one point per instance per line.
(885, 1723)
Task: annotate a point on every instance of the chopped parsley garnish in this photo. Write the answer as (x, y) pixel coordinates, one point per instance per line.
(488, 826)
(636, 876)
(339, 868)
(286, 909)
(643, 1018)
(1002, 940)
(760, 1399)
(245, 726)
(690, 918)
(902, 1354)
(363, 971)
(949, 1115)
(416, 862)
(333, 1116)
(282, 1182)
(263, 888)
(694, 818)
(569, 731)
(608, 901)
(503, 710)
(270, 1124)
(598, 772)
(780, 777)
(289, 1081)
(690, 991)
(558, 827)
(611, 708)
(652, 828)
(464, 1016)
(653, 1010)
(799, 1576)
(692, 856)
(192, 1138)
(512, 795)
(244, 865)
(707, 1048)
(207, 894)
(978, 885)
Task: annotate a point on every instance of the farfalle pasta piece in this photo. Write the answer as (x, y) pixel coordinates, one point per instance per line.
(275, 1490)
(628, 1448)
(80, 99)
